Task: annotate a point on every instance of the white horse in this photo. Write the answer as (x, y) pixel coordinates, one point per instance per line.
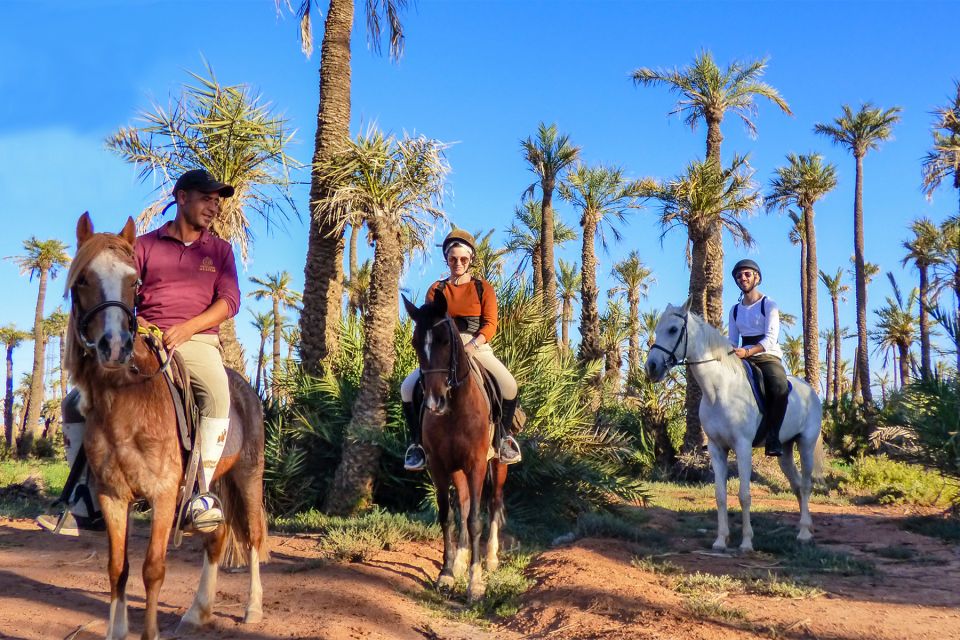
(730, 417)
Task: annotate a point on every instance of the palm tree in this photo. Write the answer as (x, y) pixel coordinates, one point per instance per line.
(604, 196)
(896, 328)
(548, 155)
(633, 280)
(793, 354)
(399, 186)
(924, 251)
(569, 280)
(943, 161)
(798, 236)
(706, 93)
(10, 337)
(43, 259)
(804, 181)
(358, 290)
(836, 289)
(487, 261)
(946, 275)
(323, 272)
(236, 136)
(614, 330)
(828, 393)
(276, 288)
(56, 325)
(263, 323)
(291, 335)
(523, 237)
(704, 200)
(859, 133)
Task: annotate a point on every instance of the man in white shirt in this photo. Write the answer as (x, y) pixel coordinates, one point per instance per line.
(755, 321)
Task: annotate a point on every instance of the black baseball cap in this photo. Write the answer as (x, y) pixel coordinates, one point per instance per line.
(201, 180)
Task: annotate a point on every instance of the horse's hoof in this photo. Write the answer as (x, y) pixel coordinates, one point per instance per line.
(445, 581)
(746, 547)
(493, 563)
(476, 590)
(192, 620)
(253, 616)
(719, 545)
(805, 537)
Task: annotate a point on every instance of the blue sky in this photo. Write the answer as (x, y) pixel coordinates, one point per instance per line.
(481, 75)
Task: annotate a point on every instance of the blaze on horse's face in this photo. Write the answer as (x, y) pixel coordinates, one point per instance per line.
(433, 341)
(668, 335)
(107, 276)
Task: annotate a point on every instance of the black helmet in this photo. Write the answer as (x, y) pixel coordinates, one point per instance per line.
(746, 264)
(459, 235)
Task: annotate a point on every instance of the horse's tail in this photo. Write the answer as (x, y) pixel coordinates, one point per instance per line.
(239, 523)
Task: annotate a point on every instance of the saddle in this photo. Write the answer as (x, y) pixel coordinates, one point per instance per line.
(755, 377)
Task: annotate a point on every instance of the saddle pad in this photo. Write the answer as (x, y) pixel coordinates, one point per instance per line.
(234, 434)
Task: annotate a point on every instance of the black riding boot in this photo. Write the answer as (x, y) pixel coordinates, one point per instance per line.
(509, 449)
(414, 459)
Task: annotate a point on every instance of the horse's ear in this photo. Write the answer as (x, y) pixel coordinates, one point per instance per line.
(440, 303)
(410, 307)
(129, 231)
(686, 305)
(84, 228)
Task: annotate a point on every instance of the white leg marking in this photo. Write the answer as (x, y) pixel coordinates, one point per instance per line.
(493, 546)
(118, 626)
(201, 611)
(477, 587)
(255, 601)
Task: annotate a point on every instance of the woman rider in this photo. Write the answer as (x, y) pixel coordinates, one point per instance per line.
(756, 321)
(472, 304)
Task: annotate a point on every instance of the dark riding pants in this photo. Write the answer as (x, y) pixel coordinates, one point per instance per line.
(775, 392)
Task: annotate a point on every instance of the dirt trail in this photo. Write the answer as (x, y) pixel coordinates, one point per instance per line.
(50, 587)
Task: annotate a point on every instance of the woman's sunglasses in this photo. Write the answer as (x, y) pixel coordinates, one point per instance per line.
(461, 260)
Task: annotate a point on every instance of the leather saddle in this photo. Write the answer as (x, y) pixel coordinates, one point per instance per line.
(755, 377)
(487, 382)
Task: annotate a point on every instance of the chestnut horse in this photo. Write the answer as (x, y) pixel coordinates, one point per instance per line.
(456, 437)
(132, 442)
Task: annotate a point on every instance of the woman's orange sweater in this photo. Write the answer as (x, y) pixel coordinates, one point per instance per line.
(463, 302)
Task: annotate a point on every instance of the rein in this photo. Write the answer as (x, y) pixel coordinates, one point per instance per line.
(453, 382)
(672, 359)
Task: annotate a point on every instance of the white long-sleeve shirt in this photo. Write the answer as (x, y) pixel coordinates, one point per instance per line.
(751, 322)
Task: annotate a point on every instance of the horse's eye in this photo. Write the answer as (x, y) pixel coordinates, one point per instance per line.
(673, 330)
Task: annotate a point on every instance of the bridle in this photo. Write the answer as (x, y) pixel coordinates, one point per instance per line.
(84, 320)
(672, 359)
(453, 381)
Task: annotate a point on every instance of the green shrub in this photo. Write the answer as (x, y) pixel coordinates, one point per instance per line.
(930, 412)
(892, 482)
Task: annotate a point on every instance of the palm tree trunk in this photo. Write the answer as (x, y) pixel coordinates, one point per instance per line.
(567, 317)
(8, 400)
(811, 325)
(260, 354)
(354, 234)
(323, 271)
(855, 383)
(611, 369)
(31, 426)
(829, 389)
(863, 356)
(546, 254)
(714, 138)
(693, 436)
(352, 487)
(277, 336)
(633, 352)
(836, 348)
(233, 355)
(904, 349)
(537, 270)
(590, 348)
(63, 362)
(803, 282)
(713, 273)
(924, 325)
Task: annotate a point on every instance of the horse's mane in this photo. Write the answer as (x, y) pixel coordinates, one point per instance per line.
(90, 249)
(716, 344)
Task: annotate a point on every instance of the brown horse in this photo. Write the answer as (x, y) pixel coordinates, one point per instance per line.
(132, 442)
(457, 429)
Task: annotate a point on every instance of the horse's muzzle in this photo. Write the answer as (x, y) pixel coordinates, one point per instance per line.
(437, 404)
(655, 371)
(115, 349)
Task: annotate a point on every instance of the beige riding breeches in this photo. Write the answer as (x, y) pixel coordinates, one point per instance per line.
(211, 389)
(484, 355)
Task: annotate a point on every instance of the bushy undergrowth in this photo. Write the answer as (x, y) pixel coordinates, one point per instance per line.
(571, 463)
(893, 482)
(929, 411)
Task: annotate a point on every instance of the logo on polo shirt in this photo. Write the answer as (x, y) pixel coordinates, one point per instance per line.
(207, 265)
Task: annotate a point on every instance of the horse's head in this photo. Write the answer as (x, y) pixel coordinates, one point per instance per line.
(439, 350)
(102, 284)
(670, 341)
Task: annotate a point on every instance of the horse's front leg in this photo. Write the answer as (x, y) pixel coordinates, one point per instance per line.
(154, 564)
(718, 460)
(744, 470)
(201, 611)
(462, 560)
(118, 566)
(476, 586)
(445, 513)
(497, 518)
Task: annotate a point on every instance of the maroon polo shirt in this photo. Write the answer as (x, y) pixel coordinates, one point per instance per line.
(179, 282)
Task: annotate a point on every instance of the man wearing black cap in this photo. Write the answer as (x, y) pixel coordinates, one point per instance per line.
(188, 288)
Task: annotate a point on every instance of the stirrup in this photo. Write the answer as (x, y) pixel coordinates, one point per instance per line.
(70, 525)
(412, 461)
(203, 514)
(509, 452)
